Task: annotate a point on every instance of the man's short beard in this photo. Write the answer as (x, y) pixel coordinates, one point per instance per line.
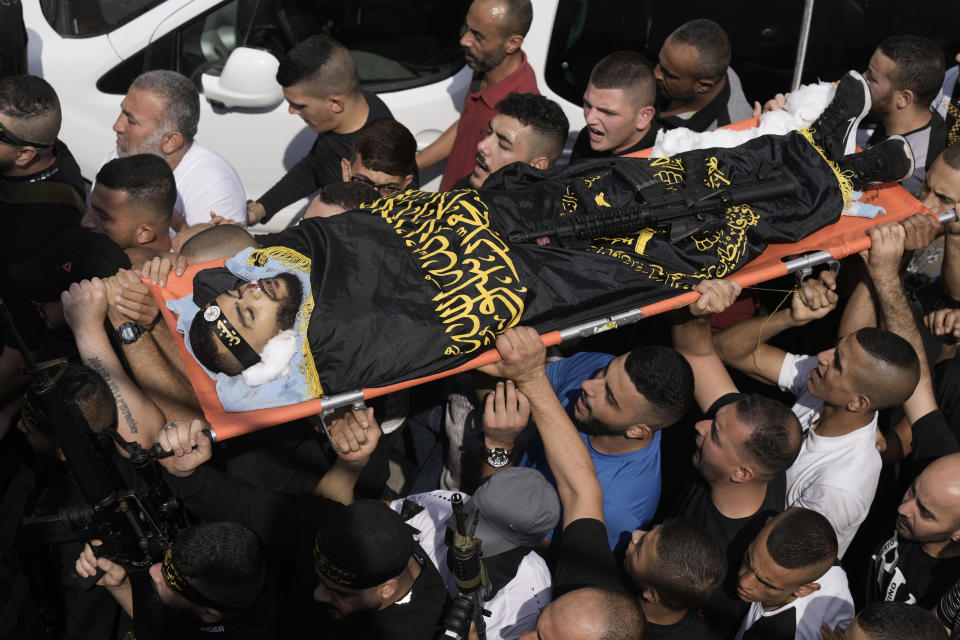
(880, 109)
(488, 63)
(928, 538)
(593, 427)
(289, 304)
(151, 145)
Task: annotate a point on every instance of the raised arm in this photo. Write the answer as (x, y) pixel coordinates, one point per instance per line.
(882, 261)
(356, 434)
(692, 338)
(85, 309)
(743, 345)
(524, 361)
(167, 386)
(860, 310)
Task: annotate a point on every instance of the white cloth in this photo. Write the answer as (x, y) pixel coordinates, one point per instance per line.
(835, 476)
(803, 107)
(205, 182)
(831, 604)
(515, 608)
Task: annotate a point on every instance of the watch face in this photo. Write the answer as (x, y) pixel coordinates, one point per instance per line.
(497, 458)
(128, 332)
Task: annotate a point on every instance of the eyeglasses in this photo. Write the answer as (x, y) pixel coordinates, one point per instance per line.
(383, 189)
(10, 139)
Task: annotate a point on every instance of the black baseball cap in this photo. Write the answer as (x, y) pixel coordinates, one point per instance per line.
(75, 255)
(365, 544)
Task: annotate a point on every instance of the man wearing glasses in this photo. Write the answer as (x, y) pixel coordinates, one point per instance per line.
(383, 157)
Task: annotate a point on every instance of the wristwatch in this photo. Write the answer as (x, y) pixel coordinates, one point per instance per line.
(129, 332)
(499, 457)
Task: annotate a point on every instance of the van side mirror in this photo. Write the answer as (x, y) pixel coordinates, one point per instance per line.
(248, 80)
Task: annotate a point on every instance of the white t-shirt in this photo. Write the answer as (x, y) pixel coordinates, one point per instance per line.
(515, 608)
(831, 604)
(835, 476)
(205, 182)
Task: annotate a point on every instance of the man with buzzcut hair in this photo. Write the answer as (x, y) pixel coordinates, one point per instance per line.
(132, 202)
(904, 76)
(675, 567)
(159, 115)
(838, 394)
(320, 82)
(492, 41)
(527, 128)
(618, 108)
(697, 88)
(790, 576)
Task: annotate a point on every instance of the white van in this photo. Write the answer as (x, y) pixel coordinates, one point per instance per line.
(407, 52)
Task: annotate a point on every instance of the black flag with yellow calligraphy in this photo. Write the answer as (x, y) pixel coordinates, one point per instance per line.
(421, 282)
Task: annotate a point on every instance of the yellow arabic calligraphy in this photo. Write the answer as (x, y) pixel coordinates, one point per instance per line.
(479, 293)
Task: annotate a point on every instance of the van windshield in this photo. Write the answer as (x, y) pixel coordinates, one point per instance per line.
(88, 18)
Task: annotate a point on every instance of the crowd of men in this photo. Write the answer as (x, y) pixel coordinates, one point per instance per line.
(752, 466)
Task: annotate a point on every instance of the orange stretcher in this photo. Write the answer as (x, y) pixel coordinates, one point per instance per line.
(834, 242)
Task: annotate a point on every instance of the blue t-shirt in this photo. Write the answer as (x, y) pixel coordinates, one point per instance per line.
(630, 481)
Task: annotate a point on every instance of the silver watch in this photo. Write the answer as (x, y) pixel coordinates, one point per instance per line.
(499, 457)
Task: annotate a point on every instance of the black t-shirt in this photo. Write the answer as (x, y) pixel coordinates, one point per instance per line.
(583, 151)
(584, 559)
(900, 571)
(321, 165)
(725, 610)
(692, 627)
(35, 209)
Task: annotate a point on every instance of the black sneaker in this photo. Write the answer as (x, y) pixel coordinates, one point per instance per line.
(835, 129)
(889, 161)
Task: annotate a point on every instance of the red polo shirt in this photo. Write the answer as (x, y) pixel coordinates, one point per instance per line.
(478, 108)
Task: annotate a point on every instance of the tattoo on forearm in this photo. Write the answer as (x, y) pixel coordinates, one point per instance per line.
(97, 366)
